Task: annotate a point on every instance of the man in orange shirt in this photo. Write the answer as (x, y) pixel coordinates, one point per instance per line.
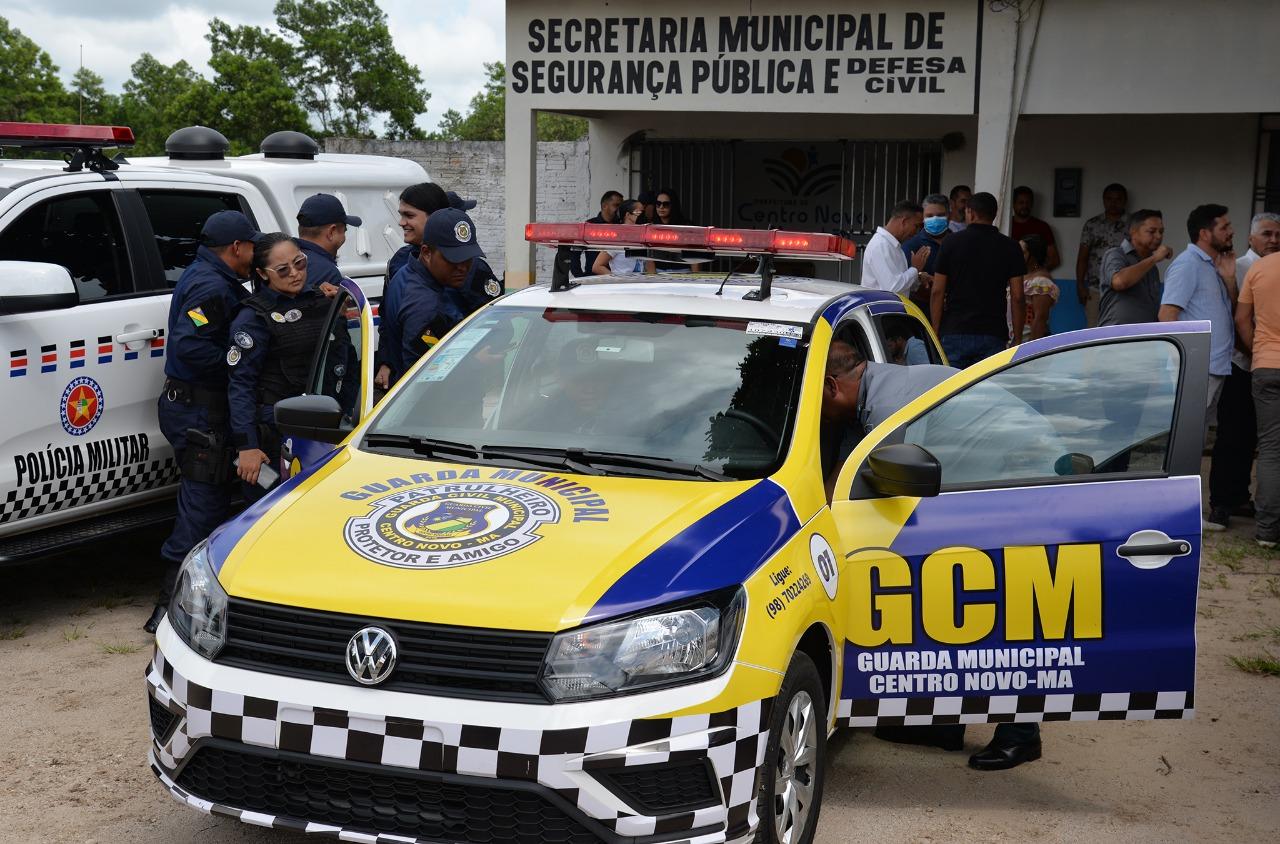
(1257, 320)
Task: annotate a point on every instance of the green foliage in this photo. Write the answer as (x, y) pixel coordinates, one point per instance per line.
(485, 119)
(347, 70)
(156, 102)
(92, 103)
(30, 89)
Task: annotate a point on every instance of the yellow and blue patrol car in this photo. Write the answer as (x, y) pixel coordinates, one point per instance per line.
(578, 579)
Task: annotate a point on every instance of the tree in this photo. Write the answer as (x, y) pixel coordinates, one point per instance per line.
(30, 90)
(348, 71)
(485, 119)
(92, 103)
(152, 103)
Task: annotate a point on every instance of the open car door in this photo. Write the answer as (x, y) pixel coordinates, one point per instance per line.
(342, 369)
(1023, 541)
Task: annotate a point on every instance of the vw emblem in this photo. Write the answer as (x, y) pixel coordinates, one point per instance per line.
(371, 656)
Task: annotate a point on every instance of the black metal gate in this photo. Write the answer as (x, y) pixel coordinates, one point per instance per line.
(700, 172)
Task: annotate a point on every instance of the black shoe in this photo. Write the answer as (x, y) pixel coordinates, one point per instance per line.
(157, 615)
(1000, 757)
(1245, 510)
(944, 736)
(1219, 518)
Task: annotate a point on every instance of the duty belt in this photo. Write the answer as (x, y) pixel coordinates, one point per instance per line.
(197, 394)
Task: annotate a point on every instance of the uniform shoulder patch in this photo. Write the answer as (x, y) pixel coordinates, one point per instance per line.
(243, 340)
(197, 316)
(233, 356)
(492, 287)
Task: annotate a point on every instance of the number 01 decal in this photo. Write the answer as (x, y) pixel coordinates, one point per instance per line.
(824, 560)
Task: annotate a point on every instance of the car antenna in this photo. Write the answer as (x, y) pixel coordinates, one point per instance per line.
(765, 269)
(734, 269)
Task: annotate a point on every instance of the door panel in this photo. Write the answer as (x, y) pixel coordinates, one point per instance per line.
(1006, 597)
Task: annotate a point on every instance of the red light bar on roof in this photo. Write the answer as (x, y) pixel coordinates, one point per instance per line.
(697, 238)
(63, 135)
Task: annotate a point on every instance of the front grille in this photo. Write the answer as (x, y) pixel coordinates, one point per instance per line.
(365, 798)
(162, 720)
(663, 788)
(434, 659)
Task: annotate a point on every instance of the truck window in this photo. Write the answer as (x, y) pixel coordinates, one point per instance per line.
(905, 339)
(176, 219)
(78, 231)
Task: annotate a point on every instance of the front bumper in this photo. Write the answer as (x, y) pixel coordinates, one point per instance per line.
(438, 770)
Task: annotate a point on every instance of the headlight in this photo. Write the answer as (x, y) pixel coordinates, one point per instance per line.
(686, 643)
(199, 607)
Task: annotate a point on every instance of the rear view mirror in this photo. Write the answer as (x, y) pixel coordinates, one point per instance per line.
(903, 469)
(27, 287)
(311, 418)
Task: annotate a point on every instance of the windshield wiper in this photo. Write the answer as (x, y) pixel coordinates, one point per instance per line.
(661, 465)
(550, 457)
(466, 453)
(425, 446)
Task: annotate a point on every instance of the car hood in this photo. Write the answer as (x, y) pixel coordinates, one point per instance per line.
(486, 546)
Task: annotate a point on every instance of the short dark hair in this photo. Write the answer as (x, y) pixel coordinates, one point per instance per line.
(425, 196)
(609, 195)
(311, 232)
(842, 358)
(937, 199)
(1137, 218)
(1036, 248)
(959, 189)
(906, 208)
(984, 206)
(1116, 187)
(1023, 189)
(262, 251)
(1202, 217)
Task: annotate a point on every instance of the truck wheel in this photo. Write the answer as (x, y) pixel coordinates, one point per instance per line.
(795, 758)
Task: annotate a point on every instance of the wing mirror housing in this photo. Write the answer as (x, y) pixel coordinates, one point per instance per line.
(311, 418)
(29, 287)
(903, 469)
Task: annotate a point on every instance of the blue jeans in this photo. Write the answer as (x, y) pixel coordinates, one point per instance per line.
(967, 349)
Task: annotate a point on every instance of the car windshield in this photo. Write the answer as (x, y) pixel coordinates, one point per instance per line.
(601, 392)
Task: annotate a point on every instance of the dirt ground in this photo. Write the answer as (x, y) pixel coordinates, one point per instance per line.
(74, 732)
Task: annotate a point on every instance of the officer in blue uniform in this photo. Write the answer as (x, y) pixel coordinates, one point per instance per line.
(417, 204)
(272, 341)
(193, 411)
(433, 299)
(322, 230)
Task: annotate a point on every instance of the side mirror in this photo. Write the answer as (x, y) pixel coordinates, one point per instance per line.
(1074, 463)
(903, 469)
(28, 286)
(311, 418)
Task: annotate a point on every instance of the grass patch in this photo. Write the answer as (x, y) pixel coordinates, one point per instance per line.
(10, 633)
(1267, 666)
(1231, 554)
(1268, 633)
(123, 648)
(71, 634)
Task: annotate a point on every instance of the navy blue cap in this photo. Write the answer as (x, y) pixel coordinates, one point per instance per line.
(452, 232)
(226, 227)
(321, 209)
(458, 202)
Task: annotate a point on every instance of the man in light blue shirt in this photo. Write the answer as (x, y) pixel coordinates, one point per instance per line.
(1200, 284)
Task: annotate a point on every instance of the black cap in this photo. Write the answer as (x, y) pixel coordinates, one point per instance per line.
(321, 209)
(226, 227)
(458, 202)
(452, 232)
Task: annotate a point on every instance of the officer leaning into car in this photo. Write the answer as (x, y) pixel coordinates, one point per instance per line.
(193, 410)
(433, 299)
(268, 357)
(322, 230)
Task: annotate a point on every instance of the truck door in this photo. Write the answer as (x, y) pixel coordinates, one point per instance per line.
(1023, 542)
(343, 369)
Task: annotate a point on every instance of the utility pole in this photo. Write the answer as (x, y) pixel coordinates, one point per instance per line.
(81, 91)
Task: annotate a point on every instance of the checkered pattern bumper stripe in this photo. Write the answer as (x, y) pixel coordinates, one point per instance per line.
(86, 489)
(561, 759)
(911, 712)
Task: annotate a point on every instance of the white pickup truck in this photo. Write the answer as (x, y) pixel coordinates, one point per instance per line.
(89, 252)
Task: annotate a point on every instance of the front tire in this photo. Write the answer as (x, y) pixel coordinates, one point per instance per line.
(795, 758)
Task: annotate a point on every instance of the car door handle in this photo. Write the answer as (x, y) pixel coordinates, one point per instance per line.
(139, 335)
(1152, 549)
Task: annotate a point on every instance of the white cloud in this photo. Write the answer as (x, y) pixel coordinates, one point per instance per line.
(448, 42)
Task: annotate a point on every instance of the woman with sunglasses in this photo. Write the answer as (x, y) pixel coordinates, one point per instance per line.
(273, 338)
(668, 209)
(617, 263)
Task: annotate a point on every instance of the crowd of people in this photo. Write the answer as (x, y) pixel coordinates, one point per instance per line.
(660, 207)
(233, 352)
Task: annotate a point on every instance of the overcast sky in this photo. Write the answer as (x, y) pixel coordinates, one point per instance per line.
(448, 41)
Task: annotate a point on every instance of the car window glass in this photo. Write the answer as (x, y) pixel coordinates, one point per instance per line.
(340, 369)
(906, 341)
(1093, 410)
(78, 231)
(176, 219)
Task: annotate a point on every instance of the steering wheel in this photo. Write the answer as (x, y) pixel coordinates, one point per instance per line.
(766, 432)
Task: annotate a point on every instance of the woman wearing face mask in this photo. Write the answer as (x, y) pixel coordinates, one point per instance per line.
(617, 263)
(937, 209)
(273, 339)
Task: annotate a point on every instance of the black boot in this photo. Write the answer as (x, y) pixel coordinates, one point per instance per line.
(1001, 755)
(157, 615)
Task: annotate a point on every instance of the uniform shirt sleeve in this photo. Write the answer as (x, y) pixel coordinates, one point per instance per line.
(245, 356)
(199, 324)
(322, 272)
(1179, 284)
(419, 310)
(389, 322)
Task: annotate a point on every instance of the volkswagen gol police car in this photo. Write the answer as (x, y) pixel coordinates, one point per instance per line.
(577, 578)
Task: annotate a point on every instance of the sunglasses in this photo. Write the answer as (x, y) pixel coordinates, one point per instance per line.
(297, 265)
(663, 204)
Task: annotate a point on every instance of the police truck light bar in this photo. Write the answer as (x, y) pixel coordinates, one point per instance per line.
(697, 238)
(59, 136)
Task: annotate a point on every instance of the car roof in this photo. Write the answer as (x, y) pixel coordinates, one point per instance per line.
(793, 298)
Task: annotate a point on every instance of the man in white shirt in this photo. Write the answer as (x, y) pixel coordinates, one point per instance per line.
(884, 264)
